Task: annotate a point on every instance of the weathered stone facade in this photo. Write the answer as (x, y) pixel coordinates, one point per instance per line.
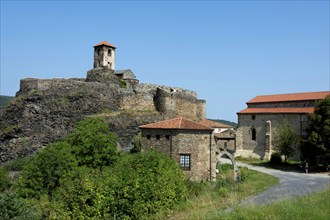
(262, 145)
(257, 124)
(197, 144)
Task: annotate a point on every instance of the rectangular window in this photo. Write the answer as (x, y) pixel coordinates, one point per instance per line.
(148, 137)
(185, 161)
(157, 136)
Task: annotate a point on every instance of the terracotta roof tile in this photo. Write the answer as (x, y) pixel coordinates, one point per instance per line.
(105, 43)
(275, 110)
(290, 97)
(214, 124)
(177, 123)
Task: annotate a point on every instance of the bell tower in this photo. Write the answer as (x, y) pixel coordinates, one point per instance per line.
(104, 55)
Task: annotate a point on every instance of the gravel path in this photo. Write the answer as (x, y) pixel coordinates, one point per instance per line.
(291, 184)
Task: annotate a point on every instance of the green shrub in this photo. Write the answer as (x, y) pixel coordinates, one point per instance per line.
(85, 193)
(275, 158)
(42, 174)
(4, 179)
(14, 207)
(93, 144)
(147, 183)
(18, 164)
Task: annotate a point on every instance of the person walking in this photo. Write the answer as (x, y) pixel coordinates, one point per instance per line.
(306, 166)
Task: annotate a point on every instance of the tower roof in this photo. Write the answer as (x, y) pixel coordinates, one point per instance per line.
(105, 43)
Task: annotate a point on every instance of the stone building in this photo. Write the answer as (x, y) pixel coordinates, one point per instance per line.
(224, 135)
(217, 126)
(188, 142)
(258, 122)
(104, 55)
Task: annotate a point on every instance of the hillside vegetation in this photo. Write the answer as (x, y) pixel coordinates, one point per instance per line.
(4, 100)
(84, 176)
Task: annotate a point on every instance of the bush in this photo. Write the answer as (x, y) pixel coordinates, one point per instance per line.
(275, 158)
(18, 164)
(14, 207)
(147, 183)
(42, 174)
(93, 145)
(85, 193)
(4, 179)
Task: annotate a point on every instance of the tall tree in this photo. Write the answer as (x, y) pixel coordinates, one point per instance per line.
(316, 142)
(93, 144)
(284, 140)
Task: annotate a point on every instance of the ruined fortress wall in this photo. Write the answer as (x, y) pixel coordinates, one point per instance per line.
(174, 103)
(136, 101)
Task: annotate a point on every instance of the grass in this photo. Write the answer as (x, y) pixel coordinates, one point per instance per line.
(209, 197)
(316, 206)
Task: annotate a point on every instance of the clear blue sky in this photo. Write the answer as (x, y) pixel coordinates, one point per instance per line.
(226, 51)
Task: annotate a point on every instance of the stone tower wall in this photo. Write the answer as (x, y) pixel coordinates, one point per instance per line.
(104, 56)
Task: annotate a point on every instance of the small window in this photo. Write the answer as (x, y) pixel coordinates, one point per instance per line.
(185, 161)
(148, 136)
(225, 145)
(253, 117)
(109, 53)
(157, 136)
(98, 51)
(254, 134)
(167, 137)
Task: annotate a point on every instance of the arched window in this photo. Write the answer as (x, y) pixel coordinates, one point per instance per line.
(253, 134)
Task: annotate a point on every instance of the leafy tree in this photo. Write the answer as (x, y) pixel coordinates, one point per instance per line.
(136, 187)
(93, 144)
(137, 142)
(147, 183)
(14, 207)
(43, 172)
(316, 142)
(85, 193)
(4, 179)
(284, 140)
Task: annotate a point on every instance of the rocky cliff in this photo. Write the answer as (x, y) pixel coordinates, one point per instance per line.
(46, 110)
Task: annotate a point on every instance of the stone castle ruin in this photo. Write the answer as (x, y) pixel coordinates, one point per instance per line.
(46, 110)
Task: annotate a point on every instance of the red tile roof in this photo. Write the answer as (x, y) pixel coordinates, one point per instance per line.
(177, 123)
(276, 110)
(105, 43)
(290, 97)
(214, 124)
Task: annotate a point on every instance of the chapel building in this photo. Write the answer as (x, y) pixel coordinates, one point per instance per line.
(258, 122)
